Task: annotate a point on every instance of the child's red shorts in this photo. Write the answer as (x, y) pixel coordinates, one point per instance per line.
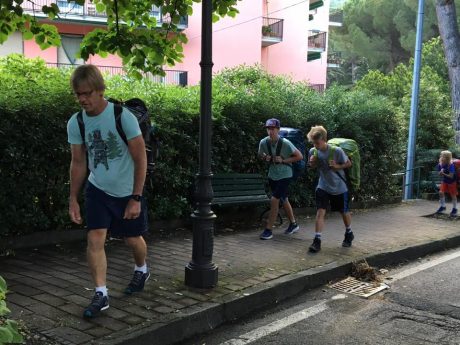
(450, 188)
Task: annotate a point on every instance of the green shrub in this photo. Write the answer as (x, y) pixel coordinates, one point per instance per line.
(8, 328)
(36, 103)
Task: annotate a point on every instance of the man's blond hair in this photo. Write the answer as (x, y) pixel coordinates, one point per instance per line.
(317, 132)
(87, 74)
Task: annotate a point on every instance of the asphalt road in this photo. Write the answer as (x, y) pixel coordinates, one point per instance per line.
(422, 306)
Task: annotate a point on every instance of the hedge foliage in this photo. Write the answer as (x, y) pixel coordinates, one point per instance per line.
(36, 103)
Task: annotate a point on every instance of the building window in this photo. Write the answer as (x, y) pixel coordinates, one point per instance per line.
(70, 45)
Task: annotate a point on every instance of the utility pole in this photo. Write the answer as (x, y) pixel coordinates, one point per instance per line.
(411, 144)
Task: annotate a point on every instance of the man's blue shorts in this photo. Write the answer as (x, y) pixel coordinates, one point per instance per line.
(104, 211)
(280, 188)
(339, 202)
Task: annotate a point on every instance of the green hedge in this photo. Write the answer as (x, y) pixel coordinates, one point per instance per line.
(36, 103)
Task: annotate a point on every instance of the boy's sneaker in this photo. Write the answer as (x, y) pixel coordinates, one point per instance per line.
(315, 246)
(348, 239)
(441, 209)
(137, 283)
(98, 303)
(292, 229)
(266, 235)
(453, 213)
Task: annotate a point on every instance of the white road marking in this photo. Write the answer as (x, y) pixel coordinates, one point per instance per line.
(278, 325)
(424, 266)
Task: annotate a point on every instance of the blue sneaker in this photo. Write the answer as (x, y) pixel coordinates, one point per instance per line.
(441, 209)
(292, 229)
(137, 283)
(266, 235)
(453, 213)
(98, 304)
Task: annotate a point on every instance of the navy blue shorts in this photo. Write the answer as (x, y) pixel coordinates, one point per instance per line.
(280, 188)
(104, 211)
(339, 202)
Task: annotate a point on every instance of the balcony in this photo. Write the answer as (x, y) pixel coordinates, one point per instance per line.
(314, 4)
(336, 17)
(272, 31)
(172, 77)
(317, 41)
(334, 59)
(317, 87)
(71, 11)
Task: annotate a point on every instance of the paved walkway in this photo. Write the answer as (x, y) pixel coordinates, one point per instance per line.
(50, 286)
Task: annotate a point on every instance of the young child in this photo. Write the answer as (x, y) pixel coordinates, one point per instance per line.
(449, 183)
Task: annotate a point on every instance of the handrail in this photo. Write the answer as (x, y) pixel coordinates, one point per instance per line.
(416, 181)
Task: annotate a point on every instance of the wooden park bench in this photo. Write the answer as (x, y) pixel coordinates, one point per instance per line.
(233, 189)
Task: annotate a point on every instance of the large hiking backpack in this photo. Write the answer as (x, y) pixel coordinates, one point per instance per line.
(351, 149)
(138, 108)
(296, 137)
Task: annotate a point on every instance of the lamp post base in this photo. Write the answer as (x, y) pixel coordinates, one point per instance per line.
(199, 277)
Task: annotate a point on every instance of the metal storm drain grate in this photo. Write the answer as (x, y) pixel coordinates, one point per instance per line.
(359, 288)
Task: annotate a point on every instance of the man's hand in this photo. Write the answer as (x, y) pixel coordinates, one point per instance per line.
(278, 159)
(74, 211)
(133, 209)
(266, 157)
(313, 161)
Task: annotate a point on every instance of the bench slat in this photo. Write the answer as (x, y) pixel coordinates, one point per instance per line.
(240, 200)
(240, 192)
(237, 187)
(237, 176)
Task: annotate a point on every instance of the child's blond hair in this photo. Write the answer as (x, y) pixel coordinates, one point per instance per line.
(317, 132)
(447, 155)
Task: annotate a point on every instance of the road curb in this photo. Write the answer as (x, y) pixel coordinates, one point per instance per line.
(208, 316)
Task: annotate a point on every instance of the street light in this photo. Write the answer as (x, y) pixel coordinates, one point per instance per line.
(201, 272)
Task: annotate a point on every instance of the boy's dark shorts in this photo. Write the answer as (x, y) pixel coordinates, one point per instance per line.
(339, 202)
(104, 211)
(280, 188)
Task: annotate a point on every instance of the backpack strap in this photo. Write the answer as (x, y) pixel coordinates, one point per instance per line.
(118, 110)
(278, 146)
(269, 147)
(81, 125)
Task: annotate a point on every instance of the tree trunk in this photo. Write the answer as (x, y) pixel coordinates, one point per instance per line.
(448, 28)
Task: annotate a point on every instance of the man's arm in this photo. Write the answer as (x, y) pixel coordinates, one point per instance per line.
(78, 169)
(136, 148)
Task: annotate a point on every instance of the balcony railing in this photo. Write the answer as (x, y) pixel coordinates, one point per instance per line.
(272, 31)
(317, 87)
(334, 58)
(317, 40)
(336, 16)
(73, 11)
(172, 77)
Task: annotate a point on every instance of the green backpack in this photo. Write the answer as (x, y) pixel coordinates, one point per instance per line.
(351, 149)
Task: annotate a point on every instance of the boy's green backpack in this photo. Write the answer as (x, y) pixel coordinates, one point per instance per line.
(351, 149)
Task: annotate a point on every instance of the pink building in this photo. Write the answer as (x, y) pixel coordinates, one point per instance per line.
(285, 37)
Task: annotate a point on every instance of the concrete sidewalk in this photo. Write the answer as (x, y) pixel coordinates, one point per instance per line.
(50, 286)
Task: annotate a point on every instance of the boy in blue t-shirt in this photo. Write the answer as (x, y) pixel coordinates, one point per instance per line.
(449, 182)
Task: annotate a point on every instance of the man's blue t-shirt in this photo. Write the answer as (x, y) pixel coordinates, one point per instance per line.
(110, 163)
(448, 169)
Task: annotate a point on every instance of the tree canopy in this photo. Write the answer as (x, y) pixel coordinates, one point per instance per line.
(131, 31)
(382, 31)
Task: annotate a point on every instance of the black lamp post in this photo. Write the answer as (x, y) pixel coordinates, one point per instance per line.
(201, 272)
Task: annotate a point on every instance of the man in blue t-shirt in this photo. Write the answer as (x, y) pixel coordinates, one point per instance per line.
(113, 196)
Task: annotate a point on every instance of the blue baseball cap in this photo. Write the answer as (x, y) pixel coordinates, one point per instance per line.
(273, 123)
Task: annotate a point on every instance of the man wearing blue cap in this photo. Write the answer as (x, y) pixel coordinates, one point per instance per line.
(280, 153)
